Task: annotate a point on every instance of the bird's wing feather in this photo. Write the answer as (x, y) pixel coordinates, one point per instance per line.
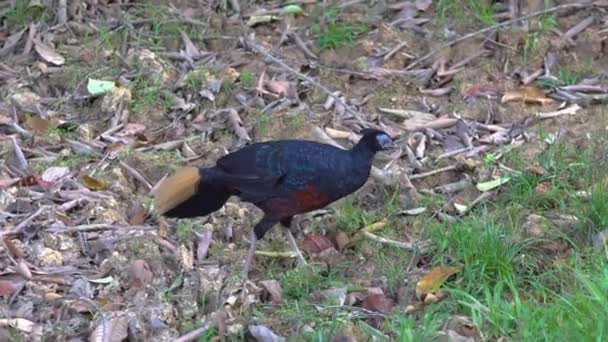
(282, 168)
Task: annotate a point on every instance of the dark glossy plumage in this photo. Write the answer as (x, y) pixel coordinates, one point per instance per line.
(283, 178)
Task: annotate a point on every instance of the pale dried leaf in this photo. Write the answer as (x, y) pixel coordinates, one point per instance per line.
(191, 50)
(263, 334)
(274, 289)
(203, 243)
(110, 330)
(55, 173)
(278, 87)
(237, 125)
(489, 185)
(11, 42)
(48, 53)
(423, 5)
(132, 129)
(22, 268)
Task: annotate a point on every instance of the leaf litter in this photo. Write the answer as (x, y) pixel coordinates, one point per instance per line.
(89, 128)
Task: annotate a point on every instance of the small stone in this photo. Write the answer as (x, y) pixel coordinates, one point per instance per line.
(600, 239)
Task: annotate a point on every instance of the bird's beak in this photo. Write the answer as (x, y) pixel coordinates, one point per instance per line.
(388, 144)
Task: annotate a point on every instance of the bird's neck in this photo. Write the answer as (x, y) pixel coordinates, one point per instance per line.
(363, 151)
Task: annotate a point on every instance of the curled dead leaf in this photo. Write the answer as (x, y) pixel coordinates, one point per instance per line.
(37, 125)
(431, 282)
(141, 273)
(93, 183)
(110, 330)
(316, 243)
(237, 125)
(10, 285)
(278, 87)
(273, 288)
(527, 94)
(377, 302)
(54, 173)
(48, 53)
(263, 334)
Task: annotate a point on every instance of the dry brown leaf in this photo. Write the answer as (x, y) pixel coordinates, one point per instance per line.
(273, 287)
(11, 42)
(378, 303)
(237, 124)
(316, 243)
(93, 183)
(431, 281)
(48, 53)
(141, 273)
(527, 95)
(278, 87)
(340, 240)
(110, 330)
(132, 129)
(8, 182)
(37, 125)
(10, 285)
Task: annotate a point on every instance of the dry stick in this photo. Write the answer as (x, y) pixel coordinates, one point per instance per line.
(29, 220)
(104, 226)
(196, 333)
(494, 27)
(418, 245)
(136, 175)
(258, 49)
(434, 172)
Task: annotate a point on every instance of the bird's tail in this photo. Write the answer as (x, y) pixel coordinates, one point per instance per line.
(191, 192)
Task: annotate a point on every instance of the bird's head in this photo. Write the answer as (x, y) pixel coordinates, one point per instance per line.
(376, 139)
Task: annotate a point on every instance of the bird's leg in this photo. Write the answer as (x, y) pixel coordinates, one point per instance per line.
(252, 241)
(256, 233)
(294, 247)
(292, 242)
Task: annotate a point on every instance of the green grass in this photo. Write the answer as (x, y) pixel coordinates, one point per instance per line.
(330, 32)
(185, 230)
(22, 13)
(508, 285)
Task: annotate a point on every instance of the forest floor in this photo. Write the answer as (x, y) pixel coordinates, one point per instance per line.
(489, 223)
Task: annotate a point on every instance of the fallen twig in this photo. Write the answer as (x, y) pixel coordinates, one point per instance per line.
(279, 254)
(434, 172)
(136, 174)
(104, 226)
(412, 246)
(28, 220)
(566, 111)
(196, 333)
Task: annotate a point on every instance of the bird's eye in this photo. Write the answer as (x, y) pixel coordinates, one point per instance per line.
(384, 141)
